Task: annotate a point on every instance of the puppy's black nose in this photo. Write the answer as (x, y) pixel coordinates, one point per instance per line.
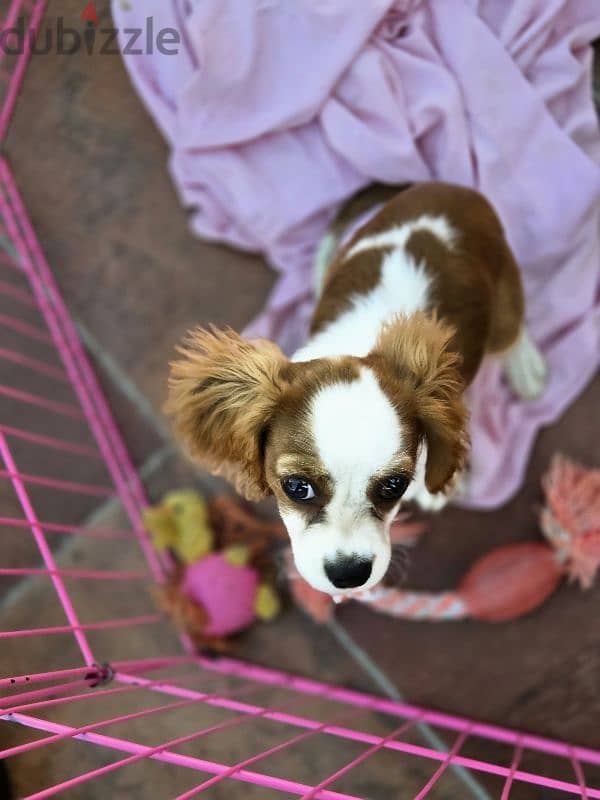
(348, 572)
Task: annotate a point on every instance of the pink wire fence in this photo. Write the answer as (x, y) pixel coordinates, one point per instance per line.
(62, 456)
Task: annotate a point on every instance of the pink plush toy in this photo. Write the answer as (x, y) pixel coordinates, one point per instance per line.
(218, 596)
(210, 594)
(225, 591)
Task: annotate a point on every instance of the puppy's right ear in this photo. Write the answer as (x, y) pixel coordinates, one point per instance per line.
(417, 350)
(222, 395)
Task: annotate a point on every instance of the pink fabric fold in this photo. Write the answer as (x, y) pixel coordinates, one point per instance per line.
(278, 110)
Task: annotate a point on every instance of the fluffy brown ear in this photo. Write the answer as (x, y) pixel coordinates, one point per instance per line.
(222, 394)
(416, 347)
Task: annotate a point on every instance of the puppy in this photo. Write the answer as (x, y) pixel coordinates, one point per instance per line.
(371, 410)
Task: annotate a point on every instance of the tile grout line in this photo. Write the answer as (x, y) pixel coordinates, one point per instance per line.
(381, 680)
(148, 468)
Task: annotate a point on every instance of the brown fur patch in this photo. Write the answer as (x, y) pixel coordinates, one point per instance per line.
(476, 282)
(345, 280)
(466, 209)
(222, 396)
(461, 293)
(372, 195)
(419, 371)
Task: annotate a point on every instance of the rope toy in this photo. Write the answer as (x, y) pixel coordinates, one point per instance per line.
(508, 582)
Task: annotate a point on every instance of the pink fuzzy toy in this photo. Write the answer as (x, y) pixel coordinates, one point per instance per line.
(226, 593)
(213, 595)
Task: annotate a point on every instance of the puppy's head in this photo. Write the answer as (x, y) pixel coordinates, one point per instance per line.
(334, 439)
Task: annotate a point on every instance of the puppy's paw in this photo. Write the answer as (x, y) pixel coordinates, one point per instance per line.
(323, 256)
(526, 368)
(430, 502)
(434, 502)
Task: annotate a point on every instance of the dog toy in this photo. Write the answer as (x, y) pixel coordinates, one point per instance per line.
(181, 524)
(210, 594)
(510, 581)
(218, 596)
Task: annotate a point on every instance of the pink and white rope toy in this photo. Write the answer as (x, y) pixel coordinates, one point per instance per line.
(509, 581)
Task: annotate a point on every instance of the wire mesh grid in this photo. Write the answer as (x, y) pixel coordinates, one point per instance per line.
(110, 700)
(19, 24)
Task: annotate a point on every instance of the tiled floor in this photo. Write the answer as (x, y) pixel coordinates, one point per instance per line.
(109, 220)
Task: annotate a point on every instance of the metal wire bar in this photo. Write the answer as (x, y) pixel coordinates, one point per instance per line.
(96, 575)
(69, 347)
(16, 294)
(94, 726)
(448, 759)
(10, 683)
(97, 674)
(40, 539)
(25, 329)
(358, 760)
(169, 757)
(10, 261)
(128, 622)
(21, 65)
(518, 754)
(33, 364)
(63, 409)
(235, 722)
(51, 442)
(373, 703)
(17, 704)
(76, 530)
(273, 677)
(284, 785)
(139, 665)
(63, 486)
(52, 701)
(286, 744)
(577, 769)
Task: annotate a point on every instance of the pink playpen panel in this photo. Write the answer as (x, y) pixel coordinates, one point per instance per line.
(112, 701)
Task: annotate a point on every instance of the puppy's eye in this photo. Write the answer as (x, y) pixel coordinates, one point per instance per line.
(392, 488)
(298, 488)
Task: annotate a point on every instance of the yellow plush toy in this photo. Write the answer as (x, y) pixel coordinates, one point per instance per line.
(180, 523)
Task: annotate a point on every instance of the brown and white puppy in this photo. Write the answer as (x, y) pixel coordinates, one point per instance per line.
(370, 410)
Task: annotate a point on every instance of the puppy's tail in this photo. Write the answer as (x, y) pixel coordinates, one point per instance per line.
(375, 194)
(323, 257)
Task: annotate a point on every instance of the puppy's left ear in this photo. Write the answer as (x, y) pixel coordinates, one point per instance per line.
(416, 348)
(222, 395)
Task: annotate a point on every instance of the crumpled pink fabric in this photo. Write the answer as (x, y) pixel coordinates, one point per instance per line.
(278, 110)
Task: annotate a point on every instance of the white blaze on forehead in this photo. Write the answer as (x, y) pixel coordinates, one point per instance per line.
(356, 432)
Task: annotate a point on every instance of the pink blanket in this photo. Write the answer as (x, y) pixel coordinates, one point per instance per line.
(277, 110)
